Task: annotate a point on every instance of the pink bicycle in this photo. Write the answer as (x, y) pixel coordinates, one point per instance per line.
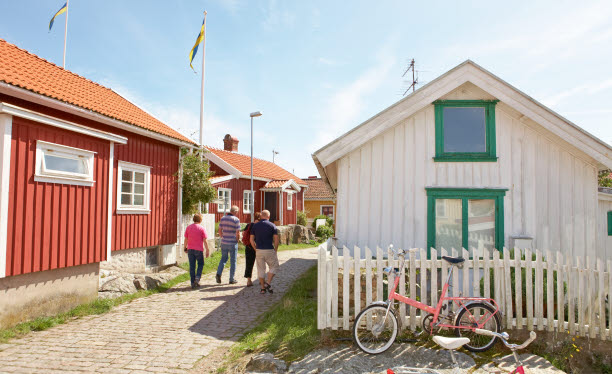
(376, 327)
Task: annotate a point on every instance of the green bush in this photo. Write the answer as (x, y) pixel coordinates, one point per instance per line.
(325, 232)
(329, 222)
(301, 218)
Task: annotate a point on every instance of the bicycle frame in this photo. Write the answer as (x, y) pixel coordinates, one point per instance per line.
(460, 301)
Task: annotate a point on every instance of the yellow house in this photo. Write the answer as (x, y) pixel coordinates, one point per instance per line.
(319, 198)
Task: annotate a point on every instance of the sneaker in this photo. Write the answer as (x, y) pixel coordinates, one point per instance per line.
(233, 281)
(193, 286)
(197, 282)
(218, 278)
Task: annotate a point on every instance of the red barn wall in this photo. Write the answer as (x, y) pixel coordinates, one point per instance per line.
(160, 225)
(59, 244)
(238, 186)
(53, 225)
(217, 170)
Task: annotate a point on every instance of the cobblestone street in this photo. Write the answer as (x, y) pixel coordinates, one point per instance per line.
(165, 333)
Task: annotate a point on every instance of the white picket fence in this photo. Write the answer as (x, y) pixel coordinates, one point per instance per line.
(581, 286)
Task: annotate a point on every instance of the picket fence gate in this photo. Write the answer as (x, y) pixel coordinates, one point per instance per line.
(540, 295)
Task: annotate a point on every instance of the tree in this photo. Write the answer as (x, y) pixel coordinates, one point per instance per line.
(196, 181)
(604, 179)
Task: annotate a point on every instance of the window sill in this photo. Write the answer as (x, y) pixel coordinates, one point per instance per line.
(133, 211)
(465, 158)
(61, 180)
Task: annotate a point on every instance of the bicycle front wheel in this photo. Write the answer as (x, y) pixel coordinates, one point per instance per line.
(374, 330)
(478, 315)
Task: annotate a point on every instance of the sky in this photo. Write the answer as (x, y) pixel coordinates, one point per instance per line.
(316, 69)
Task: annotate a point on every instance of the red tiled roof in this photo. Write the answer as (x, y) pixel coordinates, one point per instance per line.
(21, 68)
(275, 184)
(318, 190)
(261, 168)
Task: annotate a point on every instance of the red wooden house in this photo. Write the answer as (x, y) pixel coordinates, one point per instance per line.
(86, 177)
(275, 189)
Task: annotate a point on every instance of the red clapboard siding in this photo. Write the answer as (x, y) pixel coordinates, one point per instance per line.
(159, 226)
(289, 216)
(47, 223)
(238, 186)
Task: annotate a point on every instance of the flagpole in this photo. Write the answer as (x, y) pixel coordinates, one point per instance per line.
(65, 34)
(202, 90)
(202, 99)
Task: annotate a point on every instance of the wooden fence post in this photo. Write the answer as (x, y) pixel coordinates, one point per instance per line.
(346, 269)
(357, 280)
(518, 287)
(334, 314)
(321, 278)
(550, 295)
(529, 288)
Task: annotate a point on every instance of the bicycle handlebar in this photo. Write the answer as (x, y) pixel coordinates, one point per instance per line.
(403, 251)
(504, 338)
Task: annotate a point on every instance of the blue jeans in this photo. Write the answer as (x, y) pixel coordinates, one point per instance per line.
(194, 256)
(230, 250)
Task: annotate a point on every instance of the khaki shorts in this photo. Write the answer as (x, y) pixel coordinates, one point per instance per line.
(263, 257)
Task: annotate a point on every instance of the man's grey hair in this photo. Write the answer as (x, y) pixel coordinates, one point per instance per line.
(265, 214)
(234, 209)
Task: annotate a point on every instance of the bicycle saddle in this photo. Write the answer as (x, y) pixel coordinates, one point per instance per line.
(453, 260)
(450, 343)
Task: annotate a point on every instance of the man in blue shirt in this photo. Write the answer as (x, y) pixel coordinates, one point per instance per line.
(229, 231)
(264, 239)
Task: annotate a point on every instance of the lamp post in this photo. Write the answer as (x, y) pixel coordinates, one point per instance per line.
(252, 194)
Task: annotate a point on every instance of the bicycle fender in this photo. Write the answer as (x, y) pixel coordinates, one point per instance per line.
(501, 315)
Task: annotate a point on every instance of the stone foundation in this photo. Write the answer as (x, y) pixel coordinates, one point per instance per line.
(46, 293)
(135, 260)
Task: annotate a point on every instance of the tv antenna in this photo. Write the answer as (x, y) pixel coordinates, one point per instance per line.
(415, 77)
(274, 153)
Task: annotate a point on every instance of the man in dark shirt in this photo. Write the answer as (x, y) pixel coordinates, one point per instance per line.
(264, 239)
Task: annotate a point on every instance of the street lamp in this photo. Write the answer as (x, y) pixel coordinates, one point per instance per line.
(252, 197)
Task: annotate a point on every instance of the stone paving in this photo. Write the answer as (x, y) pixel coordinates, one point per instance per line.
(162, 333)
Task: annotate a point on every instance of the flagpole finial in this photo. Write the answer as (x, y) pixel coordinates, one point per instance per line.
(205, 12)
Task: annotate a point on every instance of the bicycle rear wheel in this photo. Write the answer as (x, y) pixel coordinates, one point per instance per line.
(472, 316)
(372, 332)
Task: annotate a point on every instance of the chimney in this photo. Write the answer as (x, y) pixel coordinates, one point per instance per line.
(230, 143)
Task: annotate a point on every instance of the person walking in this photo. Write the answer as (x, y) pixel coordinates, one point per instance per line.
(264, 239)
(229, 231)
(249, 251)
(195, 242)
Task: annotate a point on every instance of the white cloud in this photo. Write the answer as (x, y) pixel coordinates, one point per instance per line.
(327, 61)
(544, 41)
(345, 106)
(587, 89)
(277, 16)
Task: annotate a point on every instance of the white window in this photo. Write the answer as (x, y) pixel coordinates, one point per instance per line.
(289, 201)
(61, 164)
(246, 201)
(225, 200)
(133, 188)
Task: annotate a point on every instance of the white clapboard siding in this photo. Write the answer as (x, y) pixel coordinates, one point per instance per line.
(581, 285)
(389, 173)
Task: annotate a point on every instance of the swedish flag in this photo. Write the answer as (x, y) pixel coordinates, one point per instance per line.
(61, 11)
(199, 40)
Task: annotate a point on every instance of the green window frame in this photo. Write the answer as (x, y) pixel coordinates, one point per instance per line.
(489, 155)
(465, 194)
(610, 223)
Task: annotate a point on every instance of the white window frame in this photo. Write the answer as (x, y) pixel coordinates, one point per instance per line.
(221, 206)
(42, 174)
(289, 200)
(134, 209)
(327, 206)
(246, 201)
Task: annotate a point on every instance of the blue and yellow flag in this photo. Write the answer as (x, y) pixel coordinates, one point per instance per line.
(61, 11)
(199, 40)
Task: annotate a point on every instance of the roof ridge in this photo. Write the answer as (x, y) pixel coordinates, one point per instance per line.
(242, 154)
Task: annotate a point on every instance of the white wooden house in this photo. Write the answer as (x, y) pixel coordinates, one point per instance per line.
(469, 161)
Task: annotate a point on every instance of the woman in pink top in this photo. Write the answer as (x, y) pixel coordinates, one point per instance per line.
(195, 242)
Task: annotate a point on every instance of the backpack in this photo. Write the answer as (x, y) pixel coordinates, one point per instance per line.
(246, 235)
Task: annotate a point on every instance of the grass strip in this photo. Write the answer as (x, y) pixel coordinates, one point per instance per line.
(289, 329)
(101, 306)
